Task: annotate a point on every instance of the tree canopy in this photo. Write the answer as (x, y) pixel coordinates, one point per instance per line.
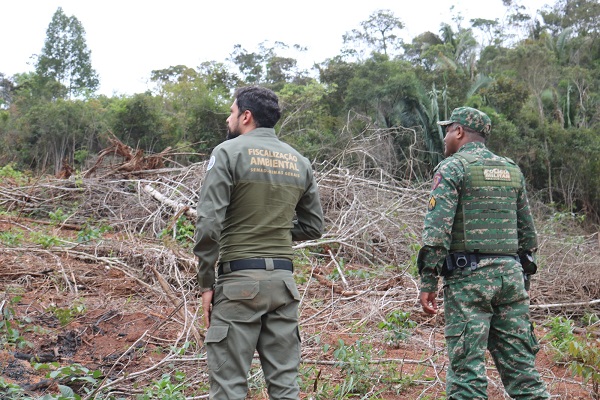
(65, 57)
(537, 78)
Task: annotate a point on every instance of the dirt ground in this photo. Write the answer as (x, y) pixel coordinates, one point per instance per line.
(97, 310)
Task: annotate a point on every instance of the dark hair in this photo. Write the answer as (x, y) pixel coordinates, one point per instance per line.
(262, 103)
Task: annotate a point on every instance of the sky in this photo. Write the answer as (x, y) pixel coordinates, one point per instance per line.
(130, 38)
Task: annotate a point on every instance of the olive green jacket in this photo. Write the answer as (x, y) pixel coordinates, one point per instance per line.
(259, 194)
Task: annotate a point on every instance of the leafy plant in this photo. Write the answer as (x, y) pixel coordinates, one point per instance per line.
(166, 388)
(399, 326)
(414, 247)
(91, 232)
(11, 391)
(74, 374)
(355, 363)
(182, 231)
(66, 315)
(11, 238)
(57, 216)
(560, 335)
(9, 326)
(8, 171)
(586, 355)
(46, 241)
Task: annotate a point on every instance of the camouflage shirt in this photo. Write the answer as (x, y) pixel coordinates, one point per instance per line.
(258, 195)
(442, 206)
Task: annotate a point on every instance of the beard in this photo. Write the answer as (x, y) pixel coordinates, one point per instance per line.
(232, 134)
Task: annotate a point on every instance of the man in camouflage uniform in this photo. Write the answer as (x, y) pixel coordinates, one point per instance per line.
(258, 195)
(478, 220)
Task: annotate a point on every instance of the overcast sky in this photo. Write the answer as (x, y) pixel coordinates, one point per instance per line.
(129, 39)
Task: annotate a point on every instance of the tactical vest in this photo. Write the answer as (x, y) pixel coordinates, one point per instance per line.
(486, 216)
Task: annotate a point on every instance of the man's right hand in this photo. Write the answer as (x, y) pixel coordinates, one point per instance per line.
(207, 306)
(427, 300)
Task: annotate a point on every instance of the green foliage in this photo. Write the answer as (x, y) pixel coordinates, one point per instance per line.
(91, 232)
(182, 231)
(139, 122)
(168, 387)
(361, 273)
(81, 155)
(564, 222)
(414, 247)
(379, 33)
(12, 391)
(560, 335)
(44, 240)
(10, 238)
(541, 97)
(586, 364)
(399, 326)
(58, 216)
(65, 56)
(355, 363)
(66, 315)
(8, 171)
(74, 374)
(10, 333)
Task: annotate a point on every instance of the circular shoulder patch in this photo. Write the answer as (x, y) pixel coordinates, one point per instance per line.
(211, 163)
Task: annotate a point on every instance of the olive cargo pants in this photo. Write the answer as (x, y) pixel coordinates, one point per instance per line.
(493, 313)
(254, 309)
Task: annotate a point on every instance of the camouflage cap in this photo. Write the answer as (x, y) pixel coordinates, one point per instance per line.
(471, 118)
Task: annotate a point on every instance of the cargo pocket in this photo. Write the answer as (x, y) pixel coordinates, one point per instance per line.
(291, 301)
(216, 346)
(241, 304)
(293, 289)
(456, 344)
(533, 342)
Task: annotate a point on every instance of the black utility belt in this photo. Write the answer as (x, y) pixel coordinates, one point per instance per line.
(468, 261)
(463, 260)
(256, 263)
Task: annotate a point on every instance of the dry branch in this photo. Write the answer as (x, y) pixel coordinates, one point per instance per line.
(184, 313)
(178, 207)
(133, 159)
(373, 224)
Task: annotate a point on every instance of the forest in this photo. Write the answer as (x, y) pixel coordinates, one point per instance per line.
(537, 78)
(98, 196)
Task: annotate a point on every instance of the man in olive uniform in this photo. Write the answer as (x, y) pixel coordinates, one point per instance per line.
(478, 221)
(259, 194)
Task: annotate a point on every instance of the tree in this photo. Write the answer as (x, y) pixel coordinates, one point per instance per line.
(7, 87)
(65, 57)
(377, 33)
(506, 95)
(490, 30)
(581, 15)
(417, 51)
(266, 65)
(194, 104)
(138, 121)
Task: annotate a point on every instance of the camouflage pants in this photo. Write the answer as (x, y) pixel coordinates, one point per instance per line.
(254, 309)
(490, 313)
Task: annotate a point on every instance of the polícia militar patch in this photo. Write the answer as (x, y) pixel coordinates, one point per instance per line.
(496, 174)
(437, 178)
(431, 205)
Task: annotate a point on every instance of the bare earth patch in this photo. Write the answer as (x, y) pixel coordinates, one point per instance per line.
(123, 302)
